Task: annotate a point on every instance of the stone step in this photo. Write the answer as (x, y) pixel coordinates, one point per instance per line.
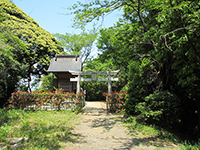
(94, 108)
(94, 112)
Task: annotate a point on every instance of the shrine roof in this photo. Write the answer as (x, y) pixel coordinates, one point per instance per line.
(65, 63)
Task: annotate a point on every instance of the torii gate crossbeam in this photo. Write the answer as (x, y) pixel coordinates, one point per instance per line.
(94, 77)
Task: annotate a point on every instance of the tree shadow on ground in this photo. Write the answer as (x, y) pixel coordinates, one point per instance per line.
(107, 123)
(129, 143)
(144, 143)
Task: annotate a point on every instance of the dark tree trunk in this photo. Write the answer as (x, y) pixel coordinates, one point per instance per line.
(29, 83)
(198, 113)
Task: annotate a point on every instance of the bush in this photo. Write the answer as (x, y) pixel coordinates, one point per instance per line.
(116, 101)
(36, 99)
(162, 107)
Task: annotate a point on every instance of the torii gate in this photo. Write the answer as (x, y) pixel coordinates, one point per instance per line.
(94, 77)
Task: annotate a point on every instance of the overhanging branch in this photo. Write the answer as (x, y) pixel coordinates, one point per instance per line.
(164, 36)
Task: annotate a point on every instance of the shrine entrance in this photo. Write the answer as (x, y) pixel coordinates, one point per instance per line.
(94, 77)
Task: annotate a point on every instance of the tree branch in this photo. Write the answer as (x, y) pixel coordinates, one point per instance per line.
(140, 16)
(164, 36)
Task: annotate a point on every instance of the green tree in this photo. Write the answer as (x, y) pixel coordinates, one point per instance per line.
(41, 44)
(96, 89)
(78, 44)
(47, 83)
(95, 10)
(12, 63)
(164, 32)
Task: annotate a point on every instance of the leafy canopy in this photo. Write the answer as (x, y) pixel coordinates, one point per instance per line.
(40, 44)
(78, 44)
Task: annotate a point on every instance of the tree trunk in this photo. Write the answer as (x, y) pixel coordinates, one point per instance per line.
(29, 83)
(198, 113)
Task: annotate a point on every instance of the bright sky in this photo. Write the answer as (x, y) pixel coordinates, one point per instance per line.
(50, 14)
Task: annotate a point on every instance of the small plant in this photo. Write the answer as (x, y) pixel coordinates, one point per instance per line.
(116, 101)
(80, 97)
(151, 134)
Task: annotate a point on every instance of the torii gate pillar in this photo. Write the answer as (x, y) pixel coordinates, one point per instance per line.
(78, 84)
(109, 84)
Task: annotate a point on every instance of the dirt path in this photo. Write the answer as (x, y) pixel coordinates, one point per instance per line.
(105, 133)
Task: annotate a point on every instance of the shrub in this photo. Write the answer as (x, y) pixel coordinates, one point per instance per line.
(36, 99)
(19, 99)
(58, 98)
(116, 101)
(162, 107)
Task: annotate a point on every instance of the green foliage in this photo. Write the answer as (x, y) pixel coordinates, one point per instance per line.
(138, 129)
(36, 100)
(12, 64)
(7, 116)
(93, 10)
(40, 44)
(190, 146)
(78, 44)
(111, 44)
(139, 83)
(25, 49)
(47, 83)
(116, 101)
(152, 134)
(161, 108)
(96, 89)
(156, 47)
(164, 33)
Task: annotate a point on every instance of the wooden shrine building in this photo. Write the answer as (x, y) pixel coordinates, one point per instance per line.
(60, 66)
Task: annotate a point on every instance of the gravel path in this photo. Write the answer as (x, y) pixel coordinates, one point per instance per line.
(105, 133)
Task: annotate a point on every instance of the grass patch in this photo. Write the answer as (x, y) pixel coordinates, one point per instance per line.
(153, 135)
(44, 130)
(140, 129)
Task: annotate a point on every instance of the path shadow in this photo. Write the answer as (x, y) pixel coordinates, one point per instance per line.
(105, 122)
(109, 122)
(140, 142)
